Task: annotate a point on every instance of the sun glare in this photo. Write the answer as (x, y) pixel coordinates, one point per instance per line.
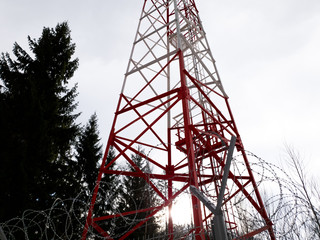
(182, 211)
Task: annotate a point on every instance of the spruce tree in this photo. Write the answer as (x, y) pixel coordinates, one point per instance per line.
(37, 123)
(109, 195)
(137, 194)
(89, 156)
(89, 153)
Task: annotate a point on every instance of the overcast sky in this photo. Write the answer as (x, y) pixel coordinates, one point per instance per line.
(267, 54)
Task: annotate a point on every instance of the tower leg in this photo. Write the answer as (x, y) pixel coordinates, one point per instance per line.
(190, 150)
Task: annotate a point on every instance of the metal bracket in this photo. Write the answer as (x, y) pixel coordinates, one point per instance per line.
(219, 228)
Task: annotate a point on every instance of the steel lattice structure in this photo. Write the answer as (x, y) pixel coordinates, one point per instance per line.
(173, 105)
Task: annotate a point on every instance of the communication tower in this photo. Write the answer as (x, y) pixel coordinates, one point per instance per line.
(173, 105)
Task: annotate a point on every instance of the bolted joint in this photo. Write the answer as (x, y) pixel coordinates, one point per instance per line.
(169, 170)
(184, 93)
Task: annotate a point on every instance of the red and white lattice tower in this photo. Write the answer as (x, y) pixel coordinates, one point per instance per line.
(173, 105)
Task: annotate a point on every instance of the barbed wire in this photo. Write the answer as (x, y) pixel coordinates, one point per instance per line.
(286, 207)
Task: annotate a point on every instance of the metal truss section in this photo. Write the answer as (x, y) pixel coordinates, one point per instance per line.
(173, 105)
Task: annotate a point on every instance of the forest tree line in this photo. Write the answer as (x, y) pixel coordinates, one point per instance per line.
(45, 154)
